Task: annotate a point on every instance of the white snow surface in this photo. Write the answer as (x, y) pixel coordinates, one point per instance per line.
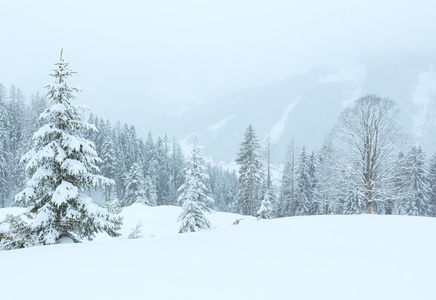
(319, 257)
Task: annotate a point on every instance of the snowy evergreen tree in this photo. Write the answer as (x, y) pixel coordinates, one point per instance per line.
(163, 180)
(314, 205)
(108, 165)
(136, 232)
(419, 186)
(223, 186)
(16, 139)
(286, 199)
(432, 185)
(150, 194)
(194, 196)
(326, 190)
(249, 172)
(120, 162)
(400, 183)
(4, 136)
(177, 165)
(135, 186)
(266, 207)
(63, 165)
(304, 186)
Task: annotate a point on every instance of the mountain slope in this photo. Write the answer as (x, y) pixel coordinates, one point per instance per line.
(306, 107)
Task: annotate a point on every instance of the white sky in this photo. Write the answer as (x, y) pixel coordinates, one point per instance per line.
(132, 56)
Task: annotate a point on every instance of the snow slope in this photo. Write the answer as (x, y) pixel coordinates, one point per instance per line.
(321, 257)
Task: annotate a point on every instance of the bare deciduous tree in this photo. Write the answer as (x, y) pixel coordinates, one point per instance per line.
(371, 140)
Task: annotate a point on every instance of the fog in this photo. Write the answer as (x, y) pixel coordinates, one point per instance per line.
(138, 61)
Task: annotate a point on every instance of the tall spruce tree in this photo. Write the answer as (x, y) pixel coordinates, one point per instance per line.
(419, 185)
(177, 163)
(249, 172)
(108, 166)
(326, 189)
(400, 182)
(16, 139)
(4, 125)
(286, 199)
(64, 166)
(163, 180)
(150, 195)
(194, 196)
(304, 186)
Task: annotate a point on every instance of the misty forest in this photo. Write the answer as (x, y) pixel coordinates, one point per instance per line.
(219, 150)
(56, 156)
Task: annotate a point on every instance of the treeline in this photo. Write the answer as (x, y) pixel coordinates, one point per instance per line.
(18, 122)
(152, 168)
(367, 165)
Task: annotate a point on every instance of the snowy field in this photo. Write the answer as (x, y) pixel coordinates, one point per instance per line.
(320, 257)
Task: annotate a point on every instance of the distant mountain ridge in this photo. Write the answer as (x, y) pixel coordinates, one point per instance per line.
(306, 107)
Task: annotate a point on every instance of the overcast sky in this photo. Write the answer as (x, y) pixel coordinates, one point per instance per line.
(134, 55)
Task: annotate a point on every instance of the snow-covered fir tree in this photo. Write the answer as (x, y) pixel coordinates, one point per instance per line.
(108, 165)
(418, 185)
(314, 204)
(286, 199)
(400, 182)
(4, 125)
(163, 180)
(250, 172)
(17, 139)
(177, 165)
(432, 185)
(64, 166)
(194, 198)
(266, 208)
(304, 186)
(135, 186)
(326, 189)
(223, 186)
(150, 195)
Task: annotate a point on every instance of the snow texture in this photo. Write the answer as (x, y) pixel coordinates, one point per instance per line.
(322, 257)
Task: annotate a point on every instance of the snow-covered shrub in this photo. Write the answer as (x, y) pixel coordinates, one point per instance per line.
(136, 232)
(16, 234)
(113, 207)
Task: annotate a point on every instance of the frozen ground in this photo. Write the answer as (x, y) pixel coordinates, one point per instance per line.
(320, 257)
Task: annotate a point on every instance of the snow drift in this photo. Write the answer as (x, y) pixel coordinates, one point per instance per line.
(318, 257)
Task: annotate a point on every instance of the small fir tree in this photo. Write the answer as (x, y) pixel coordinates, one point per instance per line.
(266, 207)
(135, 186)
(194, 198)
(64, 164)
